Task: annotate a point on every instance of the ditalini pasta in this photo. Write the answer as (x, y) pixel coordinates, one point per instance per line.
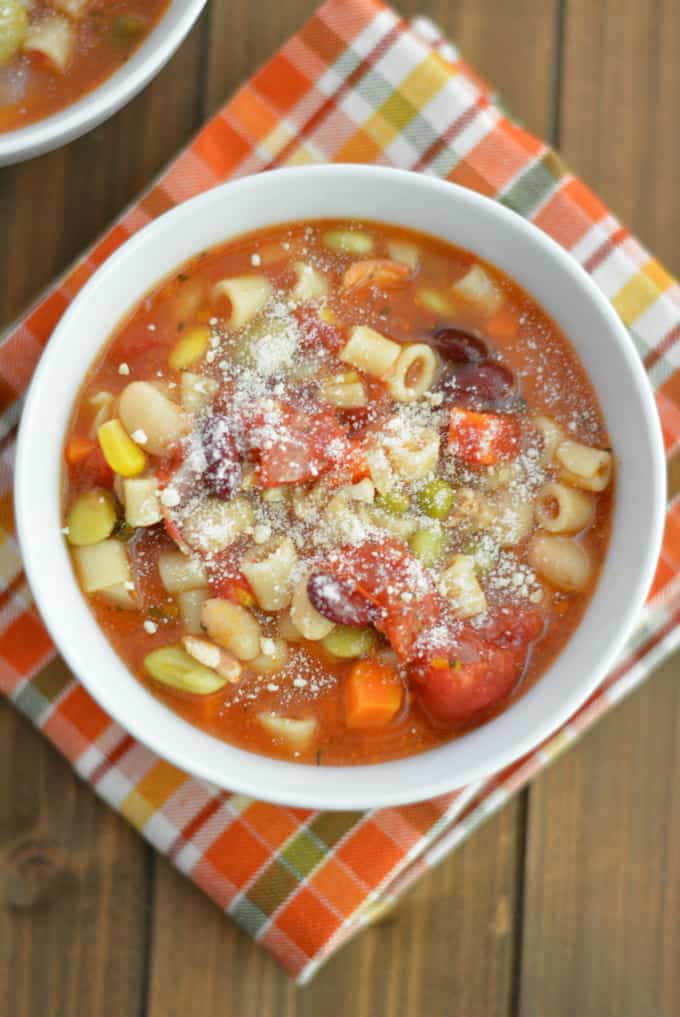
(246, 295)
(54, 51)
(348, 500)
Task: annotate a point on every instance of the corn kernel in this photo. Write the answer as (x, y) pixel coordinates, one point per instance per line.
(190, 348)
(120, 451)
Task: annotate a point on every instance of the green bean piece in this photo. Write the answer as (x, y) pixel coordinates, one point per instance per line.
(344, 641)
(91, 518)
(174, 667)
(394, 502)
(436, 498)
(428, 545)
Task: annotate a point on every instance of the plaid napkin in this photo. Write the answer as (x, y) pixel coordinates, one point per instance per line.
(356, 84)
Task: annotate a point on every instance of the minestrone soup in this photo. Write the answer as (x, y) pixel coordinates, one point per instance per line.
(337, 492)
(54, 51)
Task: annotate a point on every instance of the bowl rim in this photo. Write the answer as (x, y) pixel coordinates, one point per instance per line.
(106, 98)
(239, 779)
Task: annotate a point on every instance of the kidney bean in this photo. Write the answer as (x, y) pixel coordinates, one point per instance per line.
(459, 346)
(222, 474)
(489, 383)
(337, 602)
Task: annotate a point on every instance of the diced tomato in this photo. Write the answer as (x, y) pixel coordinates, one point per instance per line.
(513, 629)
(303, 445)
(169, 466)
(477, 669)
(351, 467)
(93, 470)
(393, 580)
(316, 333)
(469, 675)
(483, 439)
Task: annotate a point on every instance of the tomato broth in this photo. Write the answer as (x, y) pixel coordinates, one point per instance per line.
(337, 491)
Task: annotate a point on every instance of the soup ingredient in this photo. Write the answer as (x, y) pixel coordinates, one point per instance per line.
(373, 695)
(92, 517)
(348, 242)
(121, 453)
(233, 627)
(223, 471)
(436, 498)
(477, 287)
(180, 573)
(490, 384)
(561, 560)
(465, 678)
(272, 658)
(310, 623)
(52, 37)
(482, 439)
(562, 509)
(336, 601)
(412, 373)
(428, 544)
(395, 502)
(585, 467)
(269, 571)
(214, 657)
(296, 732)
(396, 584)
(386, 275)
(174, 667)
(344, 641)
(459, 584)
(102, 565)
(140, 497)
(13, 28)
(143, 408)
(191, 348)
(459, 346)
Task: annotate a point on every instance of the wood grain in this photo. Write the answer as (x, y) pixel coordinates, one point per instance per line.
(72, 889)
(602, 911)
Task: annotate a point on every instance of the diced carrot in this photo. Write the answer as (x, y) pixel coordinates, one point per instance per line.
(373, 695)
(78, 448)
(385, 274)
(504, 324)
(483, 439)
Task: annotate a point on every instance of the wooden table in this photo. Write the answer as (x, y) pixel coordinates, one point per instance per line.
(567, 903)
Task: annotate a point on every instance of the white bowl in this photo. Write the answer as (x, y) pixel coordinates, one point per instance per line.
(108, 97)
(456, 215)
